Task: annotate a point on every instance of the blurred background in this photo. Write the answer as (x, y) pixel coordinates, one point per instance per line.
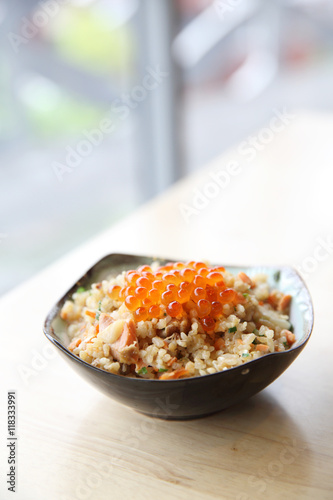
(105, 103)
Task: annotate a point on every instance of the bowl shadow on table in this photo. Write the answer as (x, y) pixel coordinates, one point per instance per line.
(256, 443)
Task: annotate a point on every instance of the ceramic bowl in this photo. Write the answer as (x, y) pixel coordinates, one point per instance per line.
(197, 396)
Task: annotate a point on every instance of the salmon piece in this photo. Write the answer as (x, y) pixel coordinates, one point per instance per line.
(291, 338)
(120, 335)
(140, 364)
(74, 343)
(262, 347)
(240, 299)
(110, 329)
(219, 344)
(181, 372)
(126, 348)
(246, 279)
(91, 314)
(104, 321)
(273, 300)
(284, 303)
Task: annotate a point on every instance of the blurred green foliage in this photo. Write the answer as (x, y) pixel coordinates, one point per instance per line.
(87, 38)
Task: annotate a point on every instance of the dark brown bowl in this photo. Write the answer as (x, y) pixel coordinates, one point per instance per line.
(197, 396)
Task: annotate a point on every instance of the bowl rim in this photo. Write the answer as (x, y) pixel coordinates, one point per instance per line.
(48, 329)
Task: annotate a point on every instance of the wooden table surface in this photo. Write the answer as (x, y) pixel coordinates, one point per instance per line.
(75, 443)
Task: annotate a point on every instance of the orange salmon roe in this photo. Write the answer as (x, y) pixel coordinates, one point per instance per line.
(154, 295)
(171, 278)
(159, 285)
(217, 309)
(144, 282)
(190, 263)
(227, 296)
(219, 269)
(174, 309)
(130, 290)
(132, 302)
(188, 274)
(114, 291)
(211, 294)
(185, 285)
(213, 278)
(199, 265)
(141, 314)
(149, 276)
(204, 307)
(179, 265)
(143, 269)
(132, 277)
(183, 295)
(167, 297)
(177, 289)
(147, 302)
(208, 324)
(198, 293)
(129, 273)
(203, 272)
(154, 311)
(141, 292)
(199, 281)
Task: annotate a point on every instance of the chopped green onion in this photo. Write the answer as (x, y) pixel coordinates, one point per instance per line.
(286, 344)
(99, 310)
(277, 276)
(143, 371)
(255, 331)
(233, 329)
(245, 354)
(161, 370)
(80, 289)
(291, 329)
(245, 295)
(255, 341)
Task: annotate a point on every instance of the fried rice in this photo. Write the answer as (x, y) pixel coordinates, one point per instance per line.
(131, 325)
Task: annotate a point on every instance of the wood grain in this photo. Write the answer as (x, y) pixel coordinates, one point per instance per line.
(75, 443)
